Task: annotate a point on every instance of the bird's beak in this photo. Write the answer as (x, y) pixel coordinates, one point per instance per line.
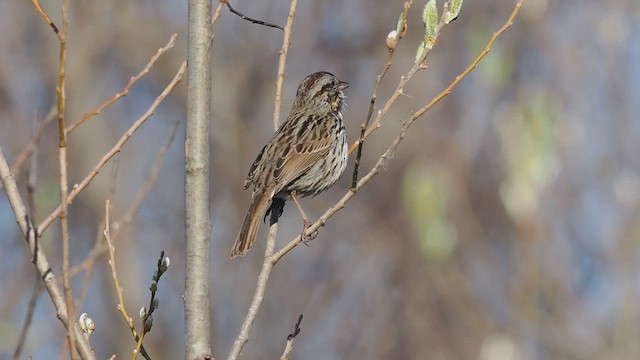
(343, 85)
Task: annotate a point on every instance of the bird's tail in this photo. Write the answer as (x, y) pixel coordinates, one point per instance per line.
(251, 225)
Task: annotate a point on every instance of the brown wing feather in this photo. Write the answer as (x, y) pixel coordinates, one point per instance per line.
(304, 147)
(301, 155)
(300, 158)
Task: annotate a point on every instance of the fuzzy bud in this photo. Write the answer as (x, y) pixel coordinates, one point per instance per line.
(392, 40)
(165, 264)
(86, 324)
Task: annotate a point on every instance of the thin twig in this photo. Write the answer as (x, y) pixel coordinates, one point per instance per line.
(389, 152)
(32, 179)
(147, 313)
(404, 79)
(474, 63)
(282, 63)
(27, 152)
(289, 346)
(258, 296)
(46, 18)
(114, 274)
(217, 12)
(64, 186)
(372, 102)
(125, 91)
(419, 64)
(363, 126)
(117, 147)
(251, 20)
(39, 257)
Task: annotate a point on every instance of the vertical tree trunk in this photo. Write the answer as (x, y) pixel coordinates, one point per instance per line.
(198, 226)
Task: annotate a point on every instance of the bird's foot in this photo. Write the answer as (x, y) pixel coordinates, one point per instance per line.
(307, 238)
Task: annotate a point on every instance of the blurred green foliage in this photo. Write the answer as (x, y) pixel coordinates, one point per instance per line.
(426, 196)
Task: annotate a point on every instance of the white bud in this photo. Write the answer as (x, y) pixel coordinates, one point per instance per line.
(392, 39)
(86, 324)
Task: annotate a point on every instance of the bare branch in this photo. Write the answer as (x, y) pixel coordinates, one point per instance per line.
(282, 63)
(364, 125)
(217, 12)
(253, 21)
(289, 346)
(46, 18)
(117, 147)
(116, 282)
(64, 186)
(473, 64)
(125, 91)
(258, 296)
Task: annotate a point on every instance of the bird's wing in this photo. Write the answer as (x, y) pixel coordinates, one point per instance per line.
(308, 147)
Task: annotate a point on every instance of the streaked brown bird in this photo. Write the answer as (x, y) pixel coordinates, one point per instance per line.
(307, 154)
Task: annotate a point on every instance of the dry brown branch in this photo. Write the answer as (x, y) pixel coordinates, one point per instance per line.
(282, 63)
(125, 91)
(117, 147)
(39, 257)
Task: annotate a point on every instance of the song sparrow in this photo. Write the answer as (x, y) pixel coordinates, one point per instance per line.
(306, 155)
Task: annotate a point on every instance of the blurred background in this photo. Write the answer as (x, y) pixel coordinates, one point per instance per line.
(504, 227)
